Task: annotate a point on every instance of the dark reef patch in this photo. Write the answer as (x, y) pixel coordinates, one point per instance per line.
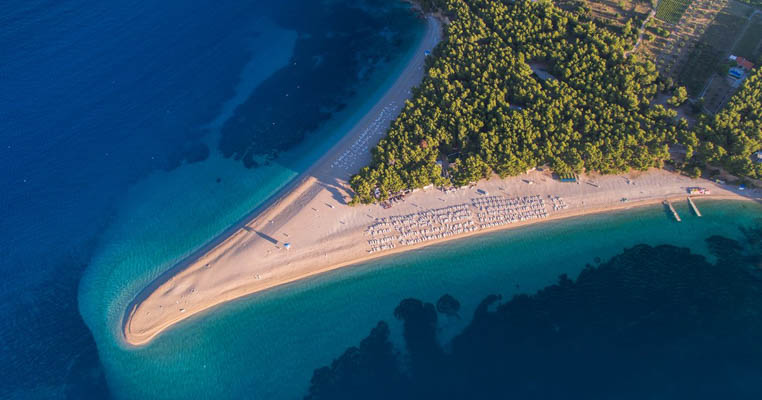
(652, 322)
(448, 305)
(339, 45)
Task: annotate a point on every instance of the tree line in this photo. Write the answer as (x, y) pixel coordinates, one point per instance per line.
(515, 85)
(730, 137)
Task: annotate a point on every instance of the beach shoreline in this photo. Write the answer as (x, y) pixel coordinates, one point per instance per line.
(246, 290)
(308, 228)
(429, 39)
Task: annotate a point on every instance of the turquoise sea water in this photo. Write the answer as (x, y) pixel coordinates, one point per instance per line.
(133, 132)
(168, 215)
(267, 345)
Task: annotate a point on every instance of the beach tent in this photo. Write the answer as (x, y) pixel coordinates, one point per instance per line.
(567, 177)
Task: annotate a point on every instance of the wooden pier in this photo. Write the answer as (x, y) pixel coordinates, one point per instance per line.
(693, 206)
(672, 208)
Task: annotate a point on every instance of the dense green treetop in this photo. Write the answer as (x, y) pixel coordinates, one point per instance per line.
(679, 96)
(732, 136)
(481, 102)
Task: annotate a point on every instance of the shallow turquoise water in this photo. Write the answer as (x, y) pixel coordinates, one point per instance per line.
(119, 161)
(133, 132)
(268, 344)
(168, 214)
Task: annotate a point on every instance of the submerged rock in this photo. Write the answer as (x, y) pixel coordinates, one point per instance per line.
(448, 305)
(652, 322)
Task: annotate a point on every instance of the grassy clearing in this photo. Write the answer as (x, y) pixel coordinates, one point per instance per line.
(716, 94)
(702, 62)
(748, 46)
(724, 30)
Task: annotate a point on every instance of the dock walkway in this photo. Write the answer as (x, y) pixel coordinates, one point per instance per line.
(672, 208)
(693, 206)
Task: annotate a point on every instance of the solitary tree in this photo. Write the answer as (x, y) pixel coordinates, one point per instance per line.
(678, 97)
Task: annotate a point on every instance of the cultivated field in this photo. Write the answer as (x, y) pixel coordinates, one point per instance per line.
(670, 52)
(694, 49)
(671, 10)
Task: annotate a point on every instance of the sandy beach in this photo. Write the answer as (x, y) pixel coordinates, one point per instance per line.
(309, 228)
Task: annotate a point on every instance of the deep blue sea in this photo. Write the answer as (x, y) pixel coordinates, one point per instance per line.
(126, 122)
(133, 132)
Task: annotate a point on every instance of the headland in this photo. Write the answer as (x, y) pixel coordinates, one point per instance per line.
(308, 228)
